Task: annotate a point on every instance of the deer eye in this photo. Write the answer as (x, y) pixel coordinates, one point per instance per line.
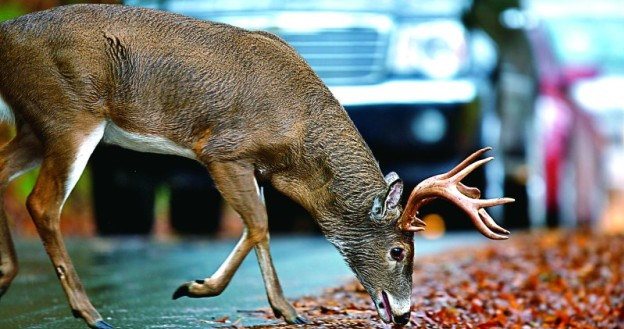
(397, 254)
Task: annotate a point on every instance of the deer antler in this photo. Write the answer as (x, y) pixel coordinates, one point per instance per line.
(449, 186)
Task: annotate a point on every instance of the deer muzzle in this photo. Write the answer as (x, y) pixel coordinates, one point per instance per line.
(392, 309)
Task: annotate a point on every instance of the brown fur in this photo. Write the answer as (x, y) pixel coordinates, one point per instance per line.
(244, 102)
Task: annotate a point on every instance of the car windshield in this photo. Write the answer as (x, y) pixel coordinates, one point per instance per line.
(596, 42)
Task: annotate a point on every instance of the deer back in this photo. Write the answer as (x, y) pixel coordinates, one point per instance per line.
(207, 87)
(188, 87)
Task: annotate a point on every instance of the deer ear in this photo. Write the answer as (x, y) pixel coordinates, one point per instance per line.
(395, 190)
(389, 200)
(378, 211)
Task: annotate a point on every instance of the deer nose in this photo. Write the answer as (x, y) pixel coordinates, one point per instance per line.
(401, 319)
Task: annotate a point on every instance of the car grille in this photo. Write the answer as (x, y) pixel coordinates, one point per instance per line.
(342, 55)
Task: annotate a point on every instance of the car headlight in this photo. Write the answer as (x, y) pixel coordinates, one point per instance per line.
(436, 49)
(429, 126)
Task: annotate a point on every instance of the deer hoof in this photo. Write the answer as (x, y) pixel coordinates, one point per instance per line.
(297, 319)
(102, 325)
(182, 291)
(301, 320)
(198, 289)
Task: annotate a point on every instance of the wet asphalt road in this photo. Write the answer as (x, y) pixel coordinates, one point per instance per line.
(131, 281)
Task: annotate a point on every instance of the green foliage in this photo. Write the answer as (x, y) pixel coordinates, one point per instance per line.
(25, 183)
(161, 204)
(81, 193)
(10, 10)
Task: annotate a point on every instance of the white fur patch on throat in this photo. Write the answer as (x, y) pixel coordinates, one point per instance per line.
(144, 143)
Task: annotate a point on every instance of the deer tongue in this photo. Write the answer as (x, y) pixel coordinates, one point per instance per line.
(387, 305)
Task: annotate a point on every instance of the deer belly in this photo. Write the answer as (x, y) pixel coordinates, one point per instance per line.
(143, 143)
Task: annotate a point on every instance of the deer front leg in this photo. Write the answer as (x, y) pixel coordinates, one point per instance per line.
(279, 304)
(238, 186)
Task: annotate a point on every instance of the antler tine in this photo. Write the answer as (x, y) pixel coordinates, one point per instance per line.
(466, 162)
(449, 186)
(481, 219)
(493, 202)
(470, 168)
(483, 227)
(489, 222)
(471, 192)
(412, 227)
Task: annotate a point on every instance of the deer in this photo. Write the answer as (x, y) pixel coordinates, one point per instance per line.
(242, 103)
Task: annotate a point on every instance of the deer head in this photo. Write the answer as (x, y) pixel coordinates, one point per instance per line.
(380, 253)
(380, 248)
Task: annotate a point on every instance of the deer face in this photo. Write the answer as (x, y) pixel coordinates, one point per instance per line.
(381, 254)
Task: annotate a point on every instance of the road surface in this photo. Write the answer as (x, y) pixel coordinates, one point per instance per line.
(131, 281)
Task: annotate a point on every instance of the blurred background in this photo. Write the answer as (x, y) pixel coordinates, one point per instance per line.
(426, 82)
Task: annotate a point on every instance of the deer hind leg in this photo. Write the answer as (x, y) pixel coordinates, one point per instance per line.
(21, 154)
(238, 187)
(64, 160)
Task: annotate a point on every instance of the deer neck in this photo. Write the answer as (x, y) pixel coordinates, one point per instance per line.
(337, 176)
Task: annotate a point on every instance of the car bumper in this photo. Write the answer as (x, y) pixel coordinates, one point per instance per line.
(407, 92)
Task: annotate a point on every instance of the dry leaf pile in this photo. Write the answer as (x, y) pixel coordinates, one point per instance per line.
(547, 280)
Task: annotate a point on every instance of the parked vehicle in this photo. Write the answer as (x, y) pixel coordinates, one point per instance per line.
(581, 45)
(510, 110)
(405, 72)
(551, 142)
(574, 48)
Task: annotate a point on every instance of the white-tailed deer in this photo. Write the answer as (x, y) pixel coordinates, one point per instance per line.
(242, 103)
